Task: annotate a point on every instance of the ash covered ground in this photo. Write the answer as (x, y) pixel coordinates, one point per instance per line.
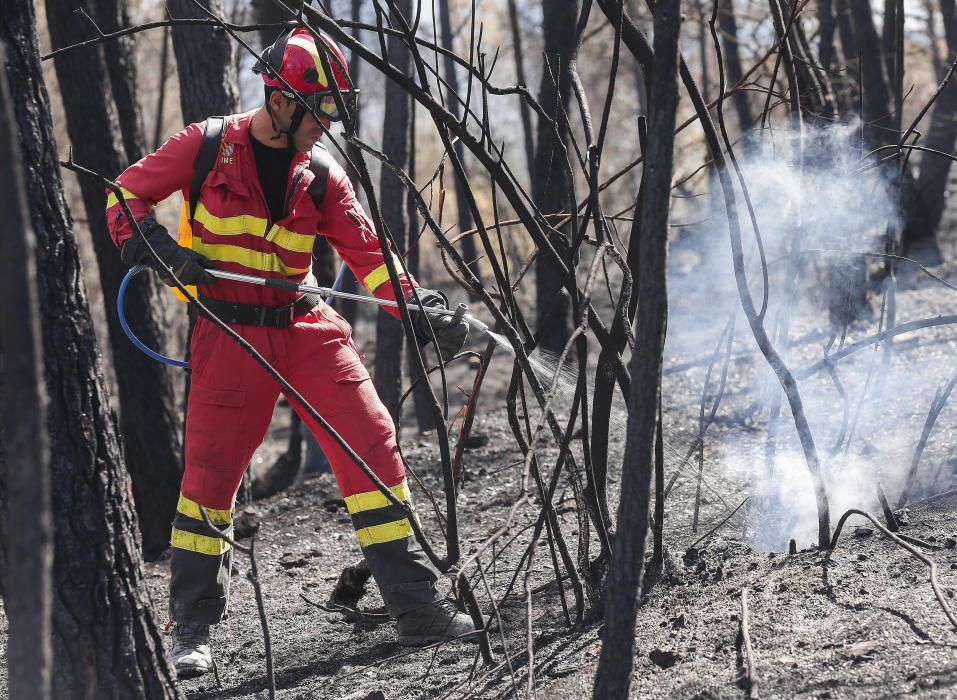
(861, 623)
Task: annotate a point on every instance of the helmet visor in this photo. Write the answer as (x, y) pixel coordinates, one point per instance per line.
(324, 103)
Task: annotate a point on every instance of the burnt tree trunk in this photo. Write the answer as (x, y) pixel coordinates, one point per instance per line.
(617, 659)
(704, 53)
(552, 185)
(893, 22)
(525, 110)
(875, 93)
(731, 47)
(149, 418)
(421, 398)
(106, 643)
(112, 16)
(818, 97)
(267, 12)
(848, 97)
(933, 39)
(827, 23)
(393, 202)
(461, 188)
(919, 239)
(633, 11)
(24, 452)
(204, 60)
(161, 98)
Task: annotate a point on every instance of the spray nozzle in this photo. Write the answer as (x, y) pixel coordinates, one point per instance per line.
(459, 313)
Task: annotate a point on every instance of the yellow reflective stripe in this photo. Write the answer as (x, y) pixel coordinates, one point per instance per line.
(380, 275)
(112, 198)
(191, 510)
(290, 240)
(230, 225)
(266, 262)
(309, 46)
(387, 532)
(370, 500)
(201, 544)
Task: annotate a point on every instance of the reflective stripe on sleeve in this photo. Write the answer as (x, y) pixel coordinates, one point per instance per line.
(201, 544)
(290, 240)
(112, 198)
(380, 275)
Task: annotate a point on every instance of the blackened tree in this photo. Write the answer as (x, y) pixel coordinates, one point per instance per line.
(205, 61)
(112, 16)
(618, 638)
(731, 50)
(920, 235)
(461, 188)
(106, 642)
(149, 418)
(393, 202)
(24, 453)
(552, 186)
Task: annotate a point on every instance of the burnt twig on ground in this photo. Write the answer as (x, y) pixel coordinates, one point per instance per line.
(898, 540)
(253, 576)
(748, 679)
(936, 406)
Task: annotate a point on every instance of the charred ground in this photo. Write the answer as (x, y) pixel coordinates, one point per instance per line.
(860, 623)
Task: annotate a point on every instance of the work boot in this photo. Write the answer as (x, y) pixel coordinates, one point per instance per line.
(439, 622)
(191, 653)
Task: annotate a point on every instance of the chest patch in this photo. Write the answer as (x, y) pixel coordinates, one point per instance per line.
(226, 153)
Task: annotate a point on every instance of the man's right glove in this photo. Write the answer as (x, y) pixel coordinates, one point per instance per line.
(188, 265)
(450, 334)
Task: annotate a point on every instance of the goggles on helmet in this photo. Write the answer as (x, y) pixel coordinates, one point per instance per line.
(323, 103)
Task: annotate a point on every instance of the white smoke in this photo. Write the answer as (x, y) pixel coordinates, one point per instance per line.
(829, 206)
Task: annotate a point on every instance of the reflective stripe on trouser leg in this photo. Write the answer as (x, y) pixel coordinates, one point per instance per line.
(405, 576)
(199, 568)
(326, 369)
(231, 401)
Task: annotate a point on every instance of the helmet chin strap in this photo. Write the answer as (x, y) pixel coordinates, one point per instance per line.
(294, 124)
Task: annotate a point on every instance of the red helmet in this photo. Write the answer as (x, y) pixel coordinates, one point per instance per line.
(295, 58)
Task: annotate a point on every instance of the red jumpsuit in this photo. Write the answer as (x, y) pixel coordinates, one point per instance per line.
(231, 397)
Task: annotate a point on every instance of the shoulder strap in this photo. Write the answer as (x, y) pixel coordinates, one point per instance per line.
(319, 165)
(205, 159)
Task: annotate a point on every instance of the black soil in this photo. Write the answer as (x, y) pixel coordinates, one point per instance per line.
(862, 623)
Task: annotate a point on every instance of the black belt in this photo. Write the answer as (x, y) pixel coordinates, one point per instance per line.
(252, 315)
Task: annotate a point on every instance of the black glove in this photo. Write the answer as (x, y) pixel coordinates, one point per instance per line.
(188, 265)
(450, 334)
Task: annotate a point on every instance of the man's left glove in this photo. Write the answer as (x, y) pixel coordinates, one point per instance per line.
(188, 265)
(450, 334)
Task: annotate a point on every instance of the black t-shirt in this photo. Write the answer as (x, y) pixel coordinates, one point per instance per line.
(272, 165)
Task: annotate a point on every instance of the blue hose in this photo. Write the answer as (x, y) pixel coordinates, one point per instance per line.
(134, 271)
(337, 285)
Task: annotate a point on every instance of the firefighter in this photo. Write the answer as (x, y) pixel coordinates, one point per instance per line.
(256, 214)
